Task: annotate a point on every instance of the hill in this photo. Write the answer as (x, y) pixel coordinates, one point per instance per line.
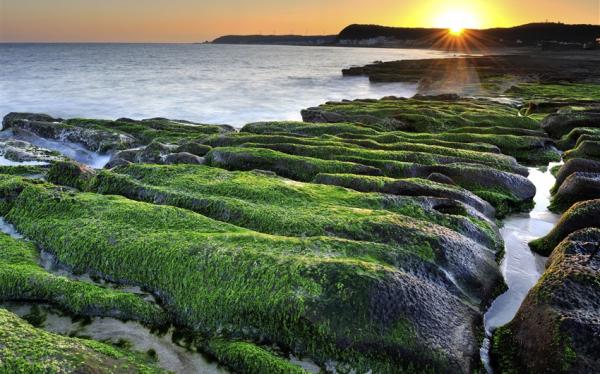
(531, 34)
(551, 35)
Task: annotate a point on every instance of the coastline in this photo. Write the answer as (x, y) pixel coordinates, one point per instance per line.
(364, 238)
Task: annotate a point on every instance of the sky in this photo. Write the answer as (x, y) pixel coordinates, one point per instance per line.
(199, 20)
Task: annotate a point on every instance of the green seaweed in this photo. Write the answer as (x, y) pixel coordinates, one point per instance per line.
(290, 166)
(421, 154)
(245, 357)
(21, 278)
(217, 277)
(568, 92)
(26, 349)
(274, 205)
(432, 115)
(527, 145)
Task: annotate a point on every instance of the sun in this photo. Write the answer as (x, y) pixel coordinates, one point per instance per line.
(456, 31)
(457, 20)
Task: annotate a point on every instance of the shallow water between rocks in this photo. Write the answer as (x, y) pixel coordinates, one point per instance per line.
(520, 267)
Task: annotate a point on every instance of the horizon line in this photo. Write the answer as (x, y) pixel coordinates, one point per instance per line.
(206, 41)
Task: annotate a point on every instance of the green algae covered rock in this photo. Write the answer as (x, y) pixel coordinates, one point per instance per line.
(93, 138)
(293, 132)
(18, 151)
(187, 185)
(447, 119)
(556, 329)
(245, 357)
(274, 205)
(589, 149)
(560, 124)
(556, 92)
(574, 137)
(572, 166)
(159, 153)
(406, 187)
(425, 155)
(308, 129)
(428, 114)
(290, 166)
(25, 349)
(22, 279)
(527, 145)
(322, 297)
(581, 215)
(505, 191)
(24, 170)
(104, 135)
(10, 118)
(578, 186)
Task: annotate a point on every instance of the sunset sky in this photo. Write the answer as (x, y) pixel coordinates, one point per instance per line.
(196, 20)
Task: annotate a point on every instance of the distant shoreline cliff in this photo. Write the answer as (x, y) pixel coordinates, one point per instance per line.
(546, 35)
(278, 39)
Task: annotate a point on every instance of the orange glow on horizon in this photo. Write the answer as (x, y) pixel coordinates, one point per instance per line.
(199, 20)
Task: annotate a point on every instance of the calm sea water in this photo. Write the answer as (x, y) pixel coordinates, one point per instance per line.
(205, 83)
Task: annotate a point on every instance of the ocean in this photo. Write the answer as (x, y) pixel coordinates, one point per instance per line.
(220, 84)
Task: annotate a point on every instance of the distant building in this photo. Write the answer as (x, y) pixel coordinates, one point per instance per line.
(563, 46)
(380, 40)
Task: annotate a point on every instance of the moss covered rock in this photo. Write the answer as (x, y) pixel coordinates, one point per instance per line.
(578, 186)
(406, 187)
(560, 93)
(25, 349)
(23, 279)
(23, 170)
(294, 132)
(506, 191)
(10, 118)
(556, 329)
(105, 135)
(528, 145)
(581, 215)
(560, 124)
(576, 136)
(291, 166)
(572, 166)
(420, 114)
(319, 296)
(589, 149)
(245, 357)
(423, 115)
(18, 151)
(159, 153)
(93, 138)
(424, 155)
(525, 147)
(274, 205)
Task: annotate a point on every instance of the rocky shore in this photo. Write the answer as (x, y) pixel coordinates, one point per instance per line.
(363, 239)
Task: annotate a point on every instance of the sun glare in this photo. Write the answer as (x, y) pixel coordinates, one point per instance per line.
(456, 21)
(456, 30)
